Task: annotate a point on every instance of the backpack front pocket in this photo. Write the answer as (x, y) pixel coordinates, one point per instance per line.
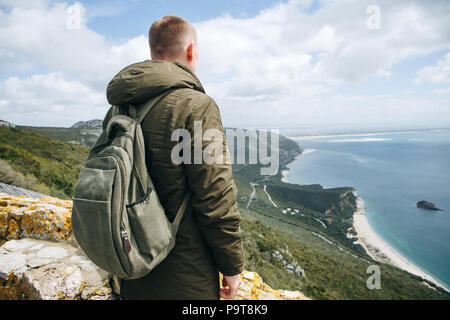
(95, 184)
(92, 217)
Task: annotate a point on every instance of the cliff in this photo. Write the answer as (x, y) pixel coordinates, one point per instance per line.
(4, 123)
(40, 259)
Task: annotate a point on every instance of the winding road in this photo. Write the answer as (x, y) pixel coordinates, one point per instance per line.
(252, 194)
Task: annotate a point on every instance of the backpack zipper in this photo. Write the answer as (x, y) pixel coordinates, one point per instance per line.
(123, 232)
(126, 242)
(145, 197)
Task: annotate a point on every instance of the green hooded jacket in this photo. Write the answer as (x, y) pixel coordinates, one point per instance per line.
(209, 237)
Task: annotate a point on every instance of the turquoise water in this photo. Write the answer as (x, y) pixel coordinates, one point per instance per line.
(391, 172)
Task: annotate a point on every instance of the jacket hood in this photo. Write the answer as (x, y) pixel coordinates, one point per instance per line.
(144, 80)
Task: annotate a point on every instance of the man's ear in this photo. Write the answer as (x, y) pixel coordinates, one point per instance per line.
(190, 52)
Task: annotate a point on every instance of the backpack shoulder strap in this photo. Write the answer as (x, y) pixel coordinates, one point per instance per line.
(181, 211)
(139, 112)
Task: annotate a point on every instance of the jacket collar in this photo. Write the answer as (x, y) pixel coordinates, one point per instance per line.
(144, 80)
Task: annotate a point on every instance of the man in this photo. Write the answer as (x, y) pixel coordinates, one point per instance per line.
(209, 237)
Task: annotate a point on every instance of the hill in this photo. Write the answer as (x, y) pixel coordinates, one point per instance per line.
(82, 133)
(38, 163)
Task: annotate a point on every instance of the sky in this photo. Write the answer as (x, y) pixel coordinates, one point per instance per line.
(268, 64)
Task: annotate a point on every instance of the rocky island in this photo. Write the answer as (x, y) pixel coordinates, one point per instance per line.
(427, 205)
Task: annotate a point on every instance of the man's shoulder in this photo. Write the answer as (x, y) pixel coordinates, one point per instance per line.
(195, 95)
(193, 98)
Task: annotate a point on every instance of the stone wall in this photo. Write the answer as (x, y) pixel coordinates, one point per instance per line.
(40, 259)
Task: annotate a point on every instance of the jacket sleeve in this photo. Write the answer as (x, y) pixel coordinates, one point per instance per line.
(214, 194)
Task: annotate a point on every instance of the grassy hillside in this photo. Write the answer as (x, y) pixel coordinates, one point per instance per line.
(35, 162)
(330, 273)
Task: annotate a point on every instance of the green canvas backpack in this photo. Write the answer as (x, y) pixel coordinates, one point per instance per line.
(117, 218)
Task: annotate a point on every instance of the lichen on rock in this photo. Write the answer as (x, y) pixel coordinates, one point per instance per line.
(253, 288)
(44, 218)
(40, 258)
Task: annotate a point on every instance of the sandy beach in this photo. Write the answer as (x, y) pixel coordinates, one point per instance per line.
(379, 249)
(284, 176)
(306, 151)
(361, 134)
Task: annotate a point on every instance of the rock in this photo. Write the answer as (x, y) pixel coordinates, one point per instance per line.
(264, 295)
(299, 271)
(16, 191)
(52, 282)
(42, 260)
(96, 123)
(426, 205)
(254, 288)
(248, 276)
(292, 295)
(7, 124)
(292, 267)
(38, 269)
(45, 218)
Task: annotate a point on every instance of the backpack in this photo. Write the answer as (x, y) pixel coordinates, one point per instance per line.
(117, 218)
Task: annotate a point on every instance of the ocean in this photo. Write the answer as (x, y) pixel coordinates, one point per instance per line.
(391, 171)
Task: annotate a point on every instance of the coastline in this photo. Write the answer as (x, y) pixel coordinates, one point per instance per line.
(379, 250)
(285, 172)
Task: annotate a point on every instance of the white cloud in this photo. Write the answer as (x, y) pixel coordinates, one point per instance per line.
(383, 74)
(437, 73)
(441, 91)
(283, 66)
(39, 37)
(49, 99)
(337, 34)
(24, 3)
(286, 65)
(77, 65)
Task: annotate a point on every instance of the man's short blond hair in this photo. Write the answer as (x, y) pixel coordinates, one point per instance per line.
(169, 35)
